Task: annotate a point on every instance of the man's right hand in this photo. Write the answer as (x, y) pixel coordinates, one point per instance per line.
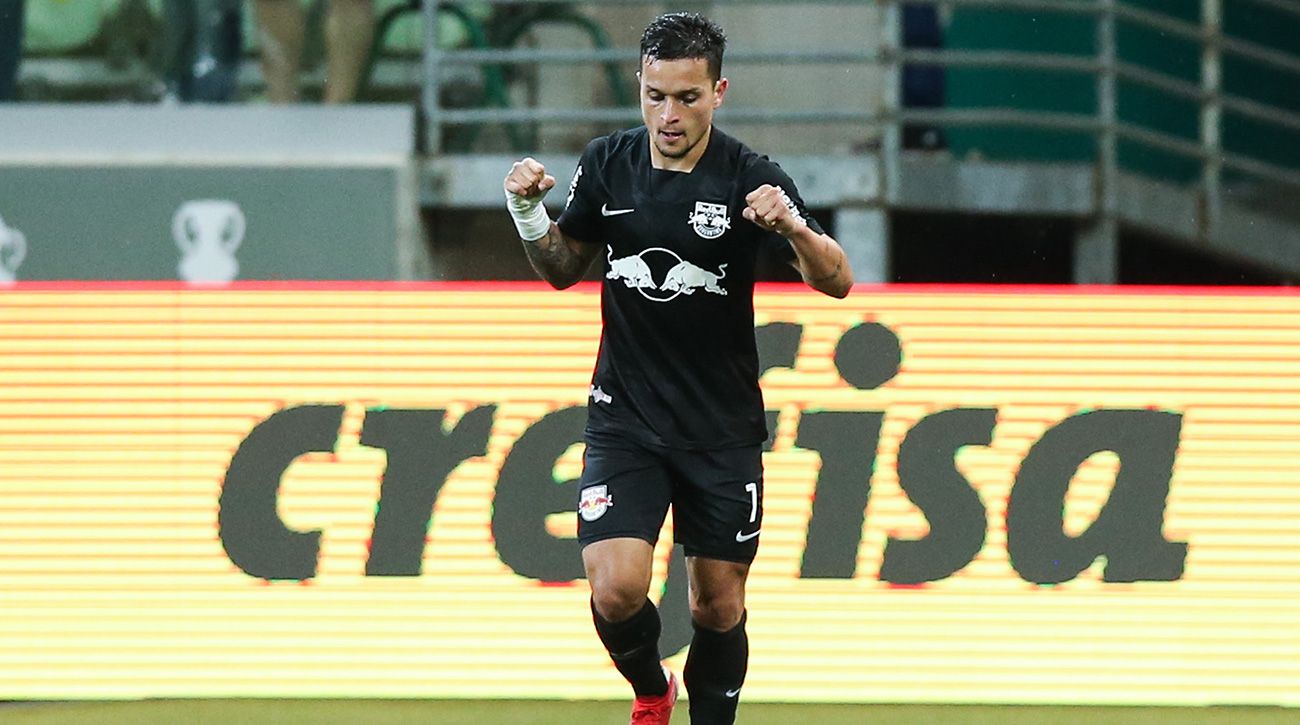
(526, 185)
(528, 180)
(558, 259)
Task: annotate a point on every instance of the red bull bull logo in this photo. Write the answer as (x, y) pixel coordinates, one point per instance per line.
(683, 277)
(632, 270)
(686, 278)
(594, 502)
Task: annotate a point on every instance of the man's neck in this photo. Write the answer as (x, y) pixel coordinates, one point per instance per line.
(685, 164)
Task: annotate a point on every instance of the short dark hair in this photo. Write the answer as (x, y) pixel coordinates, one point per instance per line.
(675, 36)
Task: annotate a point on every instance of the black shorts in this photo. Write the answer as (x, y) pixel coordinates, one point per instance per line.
(716, 496)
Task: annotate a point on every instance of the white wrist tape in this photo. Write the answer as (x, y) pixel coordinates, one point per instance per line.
(530, 217)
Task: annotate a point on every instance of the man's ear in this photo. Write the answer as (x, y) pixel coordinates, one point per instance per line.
(719, 90)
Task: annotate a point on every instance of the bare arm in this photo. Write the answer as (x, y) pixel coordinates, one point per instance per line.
(558, 259)
(821, 262)
(818, 257)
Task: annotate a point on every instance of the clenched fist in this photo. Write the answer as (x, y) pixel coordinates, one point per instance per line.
(528, 179)
(770, 208)
(526, 185)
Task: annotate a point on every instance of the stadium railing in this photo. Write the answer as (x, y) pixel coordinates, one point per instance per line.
(1096, 248)
(437, 59)
(1105, 124)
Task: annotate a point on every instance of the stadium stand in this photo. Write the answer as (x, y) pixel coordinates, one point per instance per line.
(1116, 130)
(1063, 113)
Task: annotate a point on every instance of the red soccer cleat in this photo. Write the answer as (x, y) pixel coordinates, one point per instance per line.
(656, 710)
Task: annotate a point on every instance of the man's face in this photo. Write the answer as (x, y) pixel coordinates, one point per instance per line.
(678, 98)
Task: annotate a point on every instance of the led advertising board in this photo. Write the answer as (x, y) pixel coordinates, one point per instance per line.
(972, 495)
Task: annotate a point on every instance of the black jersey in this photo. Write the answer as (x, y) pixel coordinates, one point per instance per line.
(678, 364)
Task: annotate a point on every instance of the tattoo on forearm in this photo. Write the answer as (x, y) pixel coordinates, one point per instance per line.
(555, 262)
(839, 267)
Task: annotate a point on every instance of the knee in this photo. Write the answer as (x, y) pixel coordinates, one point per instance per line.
(618, 571)
(617, 601)
(719, 612)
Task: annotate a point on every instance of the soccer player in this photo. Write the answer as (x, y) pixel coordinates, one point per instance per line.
(680, 211)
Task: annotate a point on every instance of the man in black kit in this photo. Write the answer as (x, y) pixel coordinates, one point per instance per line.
(676, 415)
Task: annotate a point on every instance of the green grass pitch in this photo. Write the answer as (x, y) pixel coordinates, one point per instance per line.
(445, 712)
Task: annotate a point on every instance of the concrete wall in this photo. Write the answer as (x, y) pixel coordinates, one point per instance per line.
(759, 27)
(803, 86)
(208, 193)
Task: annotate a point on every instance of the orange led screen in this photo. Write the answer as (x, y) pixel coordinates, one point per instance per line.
(972, 495)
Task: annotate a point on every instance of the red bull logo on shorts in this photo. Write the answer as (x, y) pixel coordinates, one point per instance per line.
(595, 501)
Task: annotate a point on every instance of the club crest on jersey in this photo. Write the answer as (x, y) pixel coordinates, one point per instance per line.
(595, 502)
(710, 220)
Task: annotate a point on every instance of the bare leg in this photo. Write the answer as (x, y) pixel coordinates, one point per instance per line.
(349, 30)
(281, 27)
(717, 592)
(618, 571)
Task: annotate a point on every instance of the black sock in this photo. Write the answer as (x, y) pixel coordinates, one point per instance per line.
(633, 644)
(715, 670)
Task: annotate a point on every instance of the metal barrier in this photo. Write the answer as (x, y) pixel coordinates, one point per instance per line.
(1107, 69)
(1104, 65)
(1096, 248)
(436, 59)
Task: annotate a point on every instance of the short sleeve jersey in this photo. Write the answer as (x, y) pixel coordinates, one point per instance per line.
(678, 362)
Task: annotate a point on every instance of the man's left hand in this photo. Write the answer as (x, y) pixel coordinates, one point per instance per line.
(768, 209)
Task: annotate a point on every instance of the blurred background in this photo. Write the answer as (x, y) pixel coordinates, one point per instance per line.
(977, 141)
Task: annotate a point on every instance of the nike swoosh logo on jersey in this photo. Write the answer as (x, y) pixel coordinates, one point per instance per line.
(742, 538)
(606, 211)
(733, 693)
